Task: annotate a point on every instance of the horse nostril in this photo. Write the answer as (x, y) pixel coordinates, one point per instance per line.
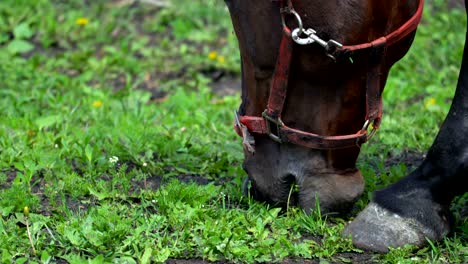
(251, 190)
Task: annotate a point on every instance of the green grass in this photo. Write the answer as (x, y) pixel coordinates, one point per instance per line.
(85, 143)
(422, 84)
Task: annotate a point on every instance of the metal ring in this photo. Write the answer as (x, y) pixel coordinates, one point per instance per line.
(365, 126)
(298, 19)
(371, 134)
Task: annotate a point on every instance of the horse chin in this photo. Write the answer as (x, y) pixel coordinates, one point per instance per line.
(332, 192)
(294, 176)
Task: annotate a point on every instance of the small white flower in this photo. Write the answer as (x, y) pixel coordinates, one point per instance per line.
(145, 164)
(56, 146)
(113, 159)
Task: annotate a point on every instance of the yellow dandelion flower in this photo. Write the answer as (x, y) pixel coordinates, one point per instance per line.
(82, 21)
(221, 59)
(212, 55)
(430, 102)
(97, 103)
(26, 211)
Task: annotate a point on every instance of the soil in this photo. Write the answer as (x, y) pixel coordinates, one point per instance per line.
(338, 259)
(341, 258)
(410, 158)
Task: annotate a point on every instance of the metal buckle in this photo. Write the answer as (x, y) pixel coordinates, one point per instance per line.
(277, 126)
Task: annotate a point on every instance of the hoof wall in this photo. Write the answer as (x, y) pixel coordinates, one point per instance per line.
(377, 229)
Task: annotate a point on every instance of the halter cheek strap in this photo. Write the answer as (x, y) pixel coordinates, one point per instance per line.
(270, 122)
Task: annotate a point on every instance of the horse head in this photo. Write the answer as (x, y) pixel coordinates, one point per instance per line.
(312, 75)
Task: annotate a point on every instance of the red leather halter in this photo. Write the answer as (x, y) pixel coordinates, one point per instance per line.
(270, 123)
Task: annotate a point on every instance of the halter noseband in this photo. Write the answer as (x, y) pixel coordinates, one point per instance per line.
(270, 122)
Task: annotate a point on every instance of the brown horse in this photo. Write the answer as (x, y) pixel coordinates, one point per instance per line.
(313, 72)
